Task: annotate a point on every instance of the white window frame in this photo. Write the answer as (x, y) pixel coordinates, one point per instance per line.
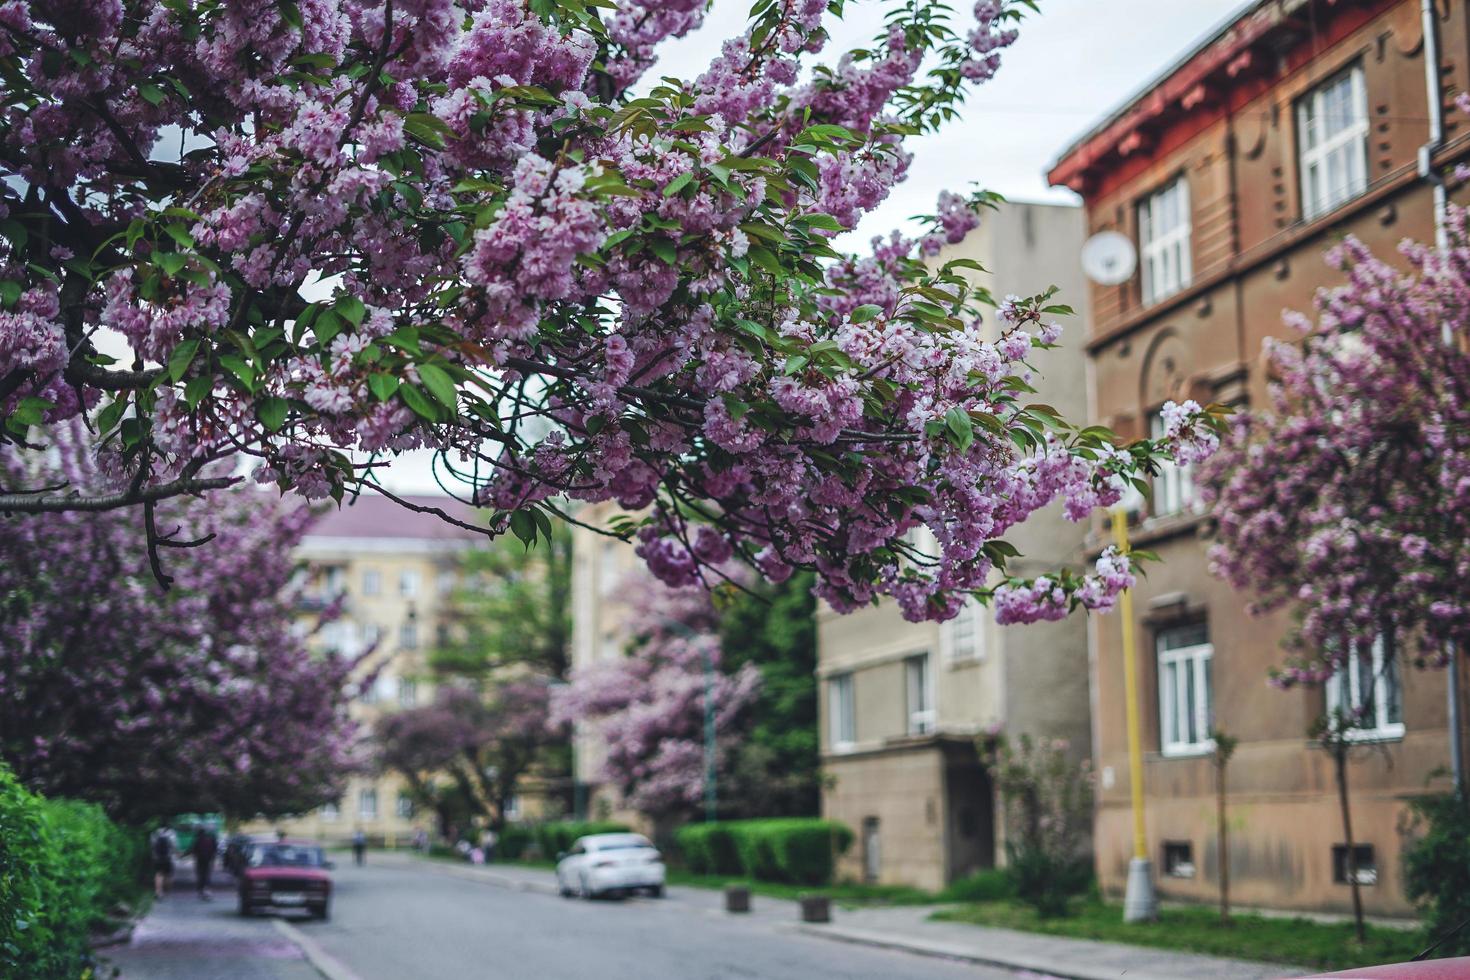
(408, 583)
(372, 581)
(408, 635)
(1190, 682)
(364, 798)
(404, 807)
(1164, 253)
(408, 692)
(1318, 150)
(962, 639)
(1384, 727)
(918, 673)
(1175, 491)
(330, 812)
(842, 712)
(609, 569)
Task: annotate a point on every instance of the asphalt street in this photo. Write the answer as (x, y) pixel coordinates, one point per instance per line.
(403, 921)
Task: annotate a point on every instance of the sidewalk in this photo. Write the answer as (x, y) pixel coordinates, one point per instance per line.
(183, 938)
(908, 928)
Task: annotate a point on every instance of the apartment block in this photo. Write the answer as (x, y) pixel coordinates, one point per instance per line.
(1296, 123)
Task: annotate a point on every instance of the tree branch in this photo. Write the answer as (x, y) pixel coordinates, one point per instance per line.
(21, 503)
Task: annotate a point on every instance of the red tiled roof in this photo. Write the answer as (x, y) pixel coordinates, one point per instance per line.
(375, 516)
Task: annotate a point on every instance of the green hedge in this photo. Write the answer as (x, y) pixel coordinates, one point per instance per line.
(515, 840)
(63, 867)
(796, 850)
(555, 837)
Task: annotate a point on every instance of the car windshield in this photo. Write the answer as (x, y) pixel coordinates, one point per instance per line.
(285, 855)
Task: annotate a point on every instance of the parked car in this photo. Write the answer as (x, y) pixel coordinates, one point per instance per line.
(604, 864)
(286, 874)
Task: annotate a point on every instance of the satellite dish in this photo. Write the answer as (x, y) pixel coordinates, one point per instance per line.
(1108, 258)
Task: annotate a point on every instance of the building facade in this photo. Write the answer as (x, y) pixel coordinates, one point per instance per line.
(393, 571)
(904, 706)
(1299, 122)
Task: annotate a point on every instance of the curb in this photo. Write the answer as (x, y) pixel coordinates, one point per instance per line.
(324, 963)
(939, 952)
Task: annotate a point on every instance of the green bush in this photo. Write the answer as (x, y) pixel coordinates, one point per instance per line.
(798, 850)
(515, 840)
(557, 836)
(63, 867)
(1437, 870)
(990, 885)
(1046, 881)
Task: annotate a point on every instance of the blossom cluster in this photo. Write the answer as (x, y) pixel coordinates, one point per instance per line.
(1346, 499)
(334, 231)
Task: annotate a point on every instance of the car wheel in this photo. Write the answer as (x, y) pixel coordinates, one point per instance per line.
(245, 908)
(585, 891)
(561, 887)
(657, 891)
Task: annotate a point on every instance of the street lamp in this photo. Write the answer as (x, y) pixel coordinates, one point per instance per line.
(1139, 903)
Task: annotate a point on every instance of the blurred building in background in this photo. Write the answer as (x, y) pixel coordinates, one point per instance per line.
(393, 571)
(1297, 123)
(906, 707)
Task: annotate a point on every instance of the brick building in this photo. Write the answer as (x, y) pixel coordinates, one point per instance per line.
(1299, 122)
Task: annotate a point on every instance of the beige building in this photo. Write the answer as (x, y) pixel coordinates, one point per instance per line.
(903, 704)
(394, 570)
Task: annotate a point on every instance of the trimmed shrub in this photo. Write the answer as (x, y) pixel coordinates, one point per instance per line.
(798, 850)
(990, 885)
(1437, 870)
(63, 866)
(557, 836)
(515, 840)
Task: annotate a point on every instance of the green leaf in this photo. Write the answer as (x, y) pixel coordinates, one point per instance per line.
(678, 184)
(664, 249)
(351, 309)
(959, 423)
(766, 259)
(30, 411)
(240, 368)
(181, 358)
(272, 412)
(383, 385)
(418, 401)
(426, 128)
(10, 291)
(197, 388)
(108, 418)
(151, 93)
(439, 383)
(170, 263)
(524, 526)
(865, 313)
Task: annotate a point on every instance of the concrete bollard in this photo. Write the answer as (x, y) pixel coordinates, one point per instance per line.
(816, 908)
(737, 899)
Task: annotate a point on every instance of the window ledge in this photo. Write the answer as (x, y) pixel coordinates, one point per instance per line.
(1188, 751)
(1388, 733)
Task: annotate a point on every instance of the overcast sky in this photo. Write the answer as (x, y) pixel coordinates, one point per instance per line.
(1072, 64)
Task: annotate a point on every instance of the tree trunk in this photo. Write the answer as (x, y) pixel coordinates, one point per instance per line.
(1222, 837)
(1339, 758)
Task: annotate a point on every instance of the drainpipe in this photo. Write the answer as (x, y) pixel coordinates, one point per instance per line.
(1430, 20)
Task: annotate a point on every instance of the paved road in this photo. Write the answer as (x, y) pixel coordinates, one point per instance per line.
(416, 922)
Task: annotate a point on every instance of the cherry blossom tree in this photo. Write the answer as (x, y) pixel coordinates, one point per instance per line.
(647, 709)
(202, 698)
(1348, 498)
(330, 231)
(482, 744)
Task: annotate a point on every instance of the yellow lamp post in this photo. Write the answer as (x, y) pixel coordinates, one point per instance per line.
(1139, 903)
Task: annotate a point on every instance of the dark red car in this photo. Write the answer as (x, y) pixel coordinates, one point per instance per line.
(286, 874)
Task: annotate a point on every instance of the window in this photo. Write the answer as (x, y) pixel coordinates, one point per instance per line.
(1332, 138)
(330, 812)
(369, 694)
(960, 638)
(1368, 685)
(405, 806)
(367, 804)
(843, 730)
(1163, 240)
(408, 635)
(1174, 489)
(334, 580)
(1363, 858)
(1185, 708)
(607, 569)
(372, 581)
(408, 583)
(920, 694)
(1178, 859)
(408, 693)
(513, 808)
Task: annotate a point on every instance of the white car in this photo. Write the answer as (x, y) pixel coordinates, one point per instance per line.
(610, 863)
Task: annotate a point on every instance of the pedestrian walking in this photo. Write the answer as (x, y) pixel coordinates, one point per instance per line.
(488, 840)
(359, 846)
(162, 847)
(206, 846)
